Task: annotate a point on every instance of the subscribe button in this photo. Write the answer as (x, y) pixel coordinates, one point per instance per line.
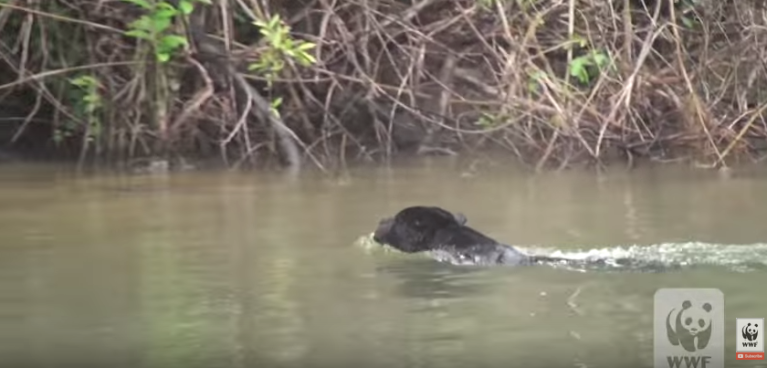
(750, 356)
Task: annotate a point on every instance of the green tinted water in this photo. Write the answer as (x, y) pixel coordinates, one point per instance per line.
(252, 270)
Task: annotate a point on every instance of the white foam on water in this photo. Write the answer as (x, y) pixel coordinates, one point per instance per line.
(739, 257)
(689, 253)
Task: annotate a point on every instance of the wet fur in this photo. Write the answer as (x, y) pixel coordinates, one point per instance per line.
(433, 229)
(447, 237)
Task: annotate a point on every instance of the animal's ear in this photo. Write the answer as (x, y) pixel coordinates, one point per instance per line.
(707, 307)
(686, 304)
(461, 218)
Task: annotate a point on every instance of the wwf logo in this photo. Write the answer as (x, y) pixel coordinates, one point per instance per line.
(750, 332)
(692, 324)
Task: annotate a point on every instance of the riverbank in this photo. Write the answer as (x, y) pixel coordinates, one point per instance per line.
(550, 84)
(477, 166)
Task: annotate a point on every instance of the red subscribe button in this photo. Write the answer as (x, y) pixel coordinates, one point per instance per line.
(750, 356)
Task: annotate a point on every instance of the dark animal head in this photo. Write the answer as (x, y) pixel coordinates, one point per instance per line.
(420, 229)
(415, 229)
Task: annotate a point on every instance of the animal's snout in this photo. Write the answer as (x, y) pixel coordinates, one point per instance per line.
(384, 227)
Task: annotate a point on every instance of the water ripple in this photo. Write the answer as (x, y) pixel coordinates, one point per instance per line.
(738, 257)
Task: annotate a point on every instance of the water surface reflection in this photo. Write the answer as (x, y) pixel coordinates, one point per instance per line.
(247, 269)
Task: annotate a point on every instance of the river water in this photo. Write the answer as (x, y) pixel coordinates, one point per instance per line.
(250, 269)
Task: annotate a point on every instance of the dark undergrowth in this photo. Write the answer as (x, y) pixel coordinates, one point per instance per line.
(323, 82)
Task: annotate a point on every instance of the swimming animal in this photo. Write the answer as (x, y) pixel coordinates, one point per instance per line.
(447, 238)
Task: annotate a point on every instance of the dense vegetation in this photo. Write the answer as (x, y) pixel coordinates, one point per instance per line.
(317, 82)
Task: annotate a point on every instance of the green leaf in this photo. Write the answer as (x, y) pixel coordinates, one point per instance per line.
(160, 24)
(165, 10)
(260, 65)
(304, 46)
(600, 59)
(303, 58)
(163, 57)
(84, 81)
(166, 6)
(576, 66)
(275, 39)
(141, 3)
(143, 22)
(309, 58)
(583, 76)
(578, 69)
(138, 33)
(274, 21)
(186, 7)
(274, 105)
(173, 41)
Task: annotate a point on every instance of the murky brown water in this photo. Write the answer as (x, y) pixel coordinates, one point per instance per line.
(251, 270)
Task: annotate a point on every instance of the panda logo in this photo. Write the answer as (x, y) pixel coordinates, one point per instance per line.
(691, 323)
(749, 332)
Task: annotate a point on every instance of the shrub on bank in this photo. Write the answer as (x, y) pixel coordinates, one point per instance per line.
(312, 82)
